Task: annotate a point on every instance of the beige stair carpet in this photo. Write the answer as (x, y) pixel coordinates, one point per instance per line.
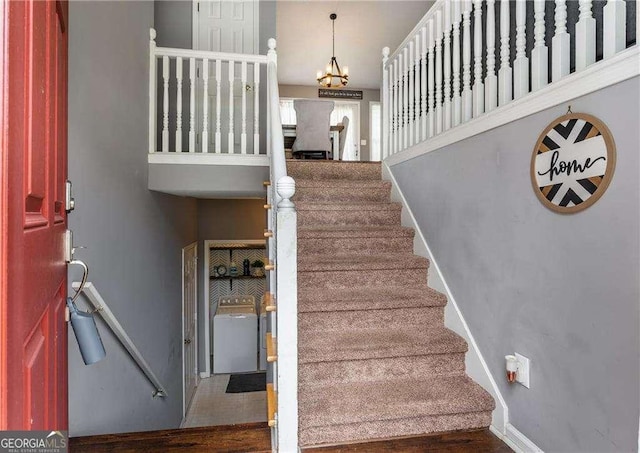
(375, 359)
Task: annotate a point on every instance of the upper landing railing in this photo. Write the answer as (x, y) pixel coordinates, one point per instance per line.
(445, 73)
(209, 102)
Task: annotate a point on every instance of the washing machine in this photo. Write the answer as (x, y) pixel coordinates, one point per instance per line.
(262, 333)
(235, 328)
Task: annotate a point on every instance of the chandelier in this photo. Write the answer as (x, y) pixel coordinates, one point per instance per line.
(333, 77)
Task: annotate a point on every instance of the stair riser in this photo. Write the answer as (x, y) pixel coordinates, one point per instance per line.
(343, 218)
(355, 246)
(347, 194)
(328, 373)
(370, 319)
(364, 277)
(331, 170)
(354, 432)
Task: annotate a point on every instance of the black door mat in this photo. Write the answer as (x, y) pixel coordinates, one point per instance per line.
(250, 382)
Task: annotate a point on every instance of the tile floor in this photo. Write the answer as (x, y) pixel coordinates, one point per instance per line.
(212, 406)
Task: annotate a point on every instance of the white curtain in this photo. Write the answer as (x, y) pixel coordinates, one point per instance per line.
(341, 109)
(375, 125)
(350, 110)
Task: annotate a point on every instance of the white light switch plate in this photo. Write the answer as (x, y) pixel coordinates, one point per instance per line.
(523, 370)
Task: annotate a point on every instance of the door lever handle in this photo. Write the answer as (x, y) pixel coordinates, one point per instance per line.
(85, 274)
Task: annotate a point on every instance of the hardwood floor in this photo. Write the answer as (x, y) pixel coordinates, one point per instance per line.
(477, 441)
(246, 438)
(254, 438)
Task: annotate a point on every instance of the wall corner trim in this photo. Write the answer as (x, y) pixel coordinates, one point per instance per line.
(517, 441)
(477, 368)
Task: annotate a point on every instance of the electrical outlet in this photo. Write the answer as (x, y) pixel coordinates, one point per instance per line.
(523, 370)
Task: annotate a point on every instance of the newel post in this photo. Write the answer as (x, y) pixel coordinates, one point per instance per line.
(287, 317)
(385, 105)
(153, 67)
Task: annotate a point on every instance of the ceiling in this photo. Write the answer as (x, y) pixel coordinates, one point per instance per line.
(363, 28)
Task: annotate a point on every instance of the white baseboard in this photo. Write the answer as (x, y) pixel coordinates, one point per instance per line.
(517, 441)
(476, 366)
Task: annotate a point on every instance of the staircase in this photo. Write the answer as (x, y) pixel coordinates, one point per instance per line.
(375, 360)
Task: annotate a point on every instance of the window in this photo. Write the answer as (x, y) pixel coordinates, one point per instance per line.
(342, 108)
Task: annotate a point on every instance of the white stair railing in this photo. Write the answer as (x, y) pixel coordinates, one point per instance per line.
(101, 307)
(283, 276)
(444, 107)
(223, 103)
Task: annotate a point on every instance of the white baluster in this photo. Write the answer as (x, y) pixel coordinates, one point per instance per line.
(438, 112)
(423, 83)
(256, 108)
(416, 108)
(165, 104)
(505, 91)
(521, 63)
(385, 104)
(396, 108)
(457, 102)
(400, 102)
(232, 69)
(205, 105)
(467, 96)
(491, 80)
(615, 27)
(405, 98)
(585, 37)
(218, 136)
(560, 44)
(432, 84)
(411, 93)
(153, 95)
(447, 66)
(192, 105)
(243, 133)
(179, 105)
(540, 52)
(478, 86)
(392, 107)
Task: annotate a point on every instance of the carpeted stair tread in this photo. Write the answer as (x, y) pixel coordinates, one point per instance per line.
(361, 344)
(329, 206)
(392, 399)
(322, 170)
(352, 231)
(364, 263)
(346, 183)
(363, 298)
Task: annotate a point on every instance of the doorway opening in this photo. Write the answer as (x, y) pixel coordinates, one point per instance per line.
(233, 388)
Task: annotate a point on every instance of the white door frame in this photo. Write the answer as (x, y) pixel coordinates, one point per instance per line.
(208, 244)
(194, 245)
(195, 27)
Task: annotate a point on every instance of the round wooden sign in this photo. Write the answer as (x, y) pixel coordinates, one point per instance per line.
(573, 162)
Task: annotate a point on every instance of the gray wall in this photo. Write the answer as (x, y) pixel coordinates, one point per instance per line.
(311, 92)
(221, 220)
(133, 236)
(562, 290)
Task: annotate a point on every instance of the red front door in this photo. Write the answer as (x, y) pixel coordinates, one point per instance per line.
(33, 152)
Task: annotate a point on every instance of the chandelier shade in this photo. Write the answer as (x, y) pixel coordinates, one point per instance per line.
(333, 76)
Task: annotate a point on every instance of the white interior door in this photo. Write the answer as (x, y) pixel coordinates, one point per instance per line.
(189, 323)
(232, 27)
(226, 26)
